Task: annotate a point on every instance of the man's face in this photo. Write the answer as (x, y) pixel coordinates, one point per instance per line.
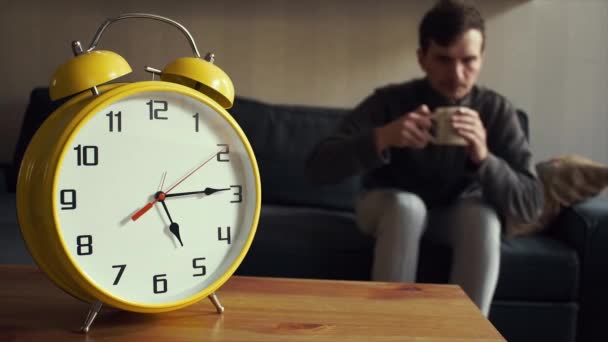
(453, 70)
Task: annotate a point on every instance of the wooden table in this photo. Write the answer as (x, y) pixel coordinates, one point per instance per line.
(257, 309)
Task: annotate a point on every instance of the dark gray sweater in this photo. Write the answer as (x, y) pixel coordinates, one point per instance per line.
(438, 174)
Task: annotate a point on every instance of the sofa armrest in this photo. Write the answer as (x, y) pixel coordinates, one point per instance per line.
(582, 224)
(584, 227)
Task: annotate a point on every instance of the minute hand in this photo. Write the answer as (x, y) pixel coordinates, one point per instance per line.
(207, 191)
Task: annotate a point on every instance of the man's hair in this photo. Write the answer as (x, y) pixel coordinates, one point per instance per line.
(447, 20)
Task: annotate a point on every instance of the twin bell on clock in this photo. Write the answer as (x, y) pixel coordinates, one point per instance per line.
(143, 196)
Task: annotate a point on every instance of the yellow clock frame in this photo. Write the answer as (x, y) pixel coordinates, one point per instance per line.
(36, 187)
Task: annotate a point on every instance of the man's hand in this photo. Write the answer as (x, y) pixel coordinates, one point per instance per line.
(468, 124)
(409, 130)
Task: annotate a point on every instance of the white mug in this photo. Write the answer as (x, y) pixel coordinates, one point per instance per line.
(442, 132)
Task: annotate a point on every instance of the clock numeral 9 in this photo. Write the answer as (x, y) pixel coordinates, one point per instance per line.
(160, 283)
(67, 198)
(196, 264)
(111, 115)
(238, 194)
(222, 153)
(120, 271)
(87, 155)
(222, 238)
(154, 111)
(85, 245)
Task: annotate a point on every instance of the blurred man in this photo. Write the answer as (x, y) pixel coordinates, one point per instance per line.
(457, 195)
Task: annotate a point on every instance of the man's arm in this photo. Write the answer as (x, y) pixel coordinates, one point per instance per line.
(506, 175)
(351, 149)
(364, 138)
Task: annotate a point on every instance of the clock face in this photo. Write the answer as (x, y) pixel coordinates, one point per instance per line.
(181, 160)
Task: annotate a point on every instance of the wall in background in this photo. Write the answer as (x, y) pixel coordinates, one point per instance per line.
(549, 57)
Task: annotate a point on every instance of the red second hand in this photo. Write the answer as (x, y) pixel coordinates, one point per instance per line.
(147, 207)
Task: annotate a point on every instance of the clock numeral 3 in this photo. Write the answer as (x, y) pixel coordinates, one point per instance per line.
(222, 156)
(120, 271)
(111, 115)
(154, 110)
(84, 245)
(87, 155)
(238, 194)
(67, 198)
(228, 237)
(196, 263)
(160, 283)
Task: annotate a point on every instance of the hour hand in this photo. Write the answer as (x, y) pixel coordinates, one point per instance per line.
(207, 191)
(173, 227)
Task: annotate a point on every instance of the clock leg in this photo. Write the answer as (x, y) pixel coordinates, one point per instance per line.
(93, 311)
(216, 302)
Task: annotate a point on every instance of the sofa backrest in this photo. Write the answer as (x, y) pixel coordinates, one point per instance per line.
(282, 136)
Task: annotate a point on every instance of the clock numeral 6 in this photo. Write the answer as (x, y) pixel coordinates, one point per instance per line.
(196, 263)
(87, 155)
(154, 110)
(160, 283)
(84, 245)
(67, 198)
(220, 236)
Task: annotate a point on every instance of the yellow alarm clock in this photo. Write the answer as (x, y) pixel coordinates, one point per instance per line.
(144, 196)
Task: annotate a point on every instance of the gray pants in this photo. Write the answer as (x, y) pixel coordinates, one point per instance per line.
(398, 220)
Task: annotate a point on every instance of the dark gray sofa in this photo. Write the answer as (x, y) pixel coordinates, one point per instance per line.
(551, 286)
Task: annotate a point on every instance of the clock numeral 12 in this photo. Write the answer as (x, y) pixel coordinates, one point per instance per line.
(196, 264)
(154, 111)
(111, 115)
(222, 238)
(84, 245)
(120, 271)
(87, 155)
(159, 283)
(67, 198)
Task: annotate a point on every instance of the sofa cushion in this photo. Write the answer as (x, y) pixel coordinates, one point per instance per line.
(532, 268)
(282, 137)
(305, 242)
(534, 321)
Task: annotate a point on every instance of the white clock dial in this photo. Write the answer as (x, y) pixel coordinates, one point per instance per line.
(112, 167)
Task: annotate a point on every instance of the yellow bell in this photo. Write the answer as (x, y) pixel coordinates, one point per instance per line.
(85, 71)
(203, 76)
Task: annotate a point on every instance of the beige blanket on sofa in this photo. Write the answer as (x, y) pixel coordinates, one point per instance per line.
(566, 180)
